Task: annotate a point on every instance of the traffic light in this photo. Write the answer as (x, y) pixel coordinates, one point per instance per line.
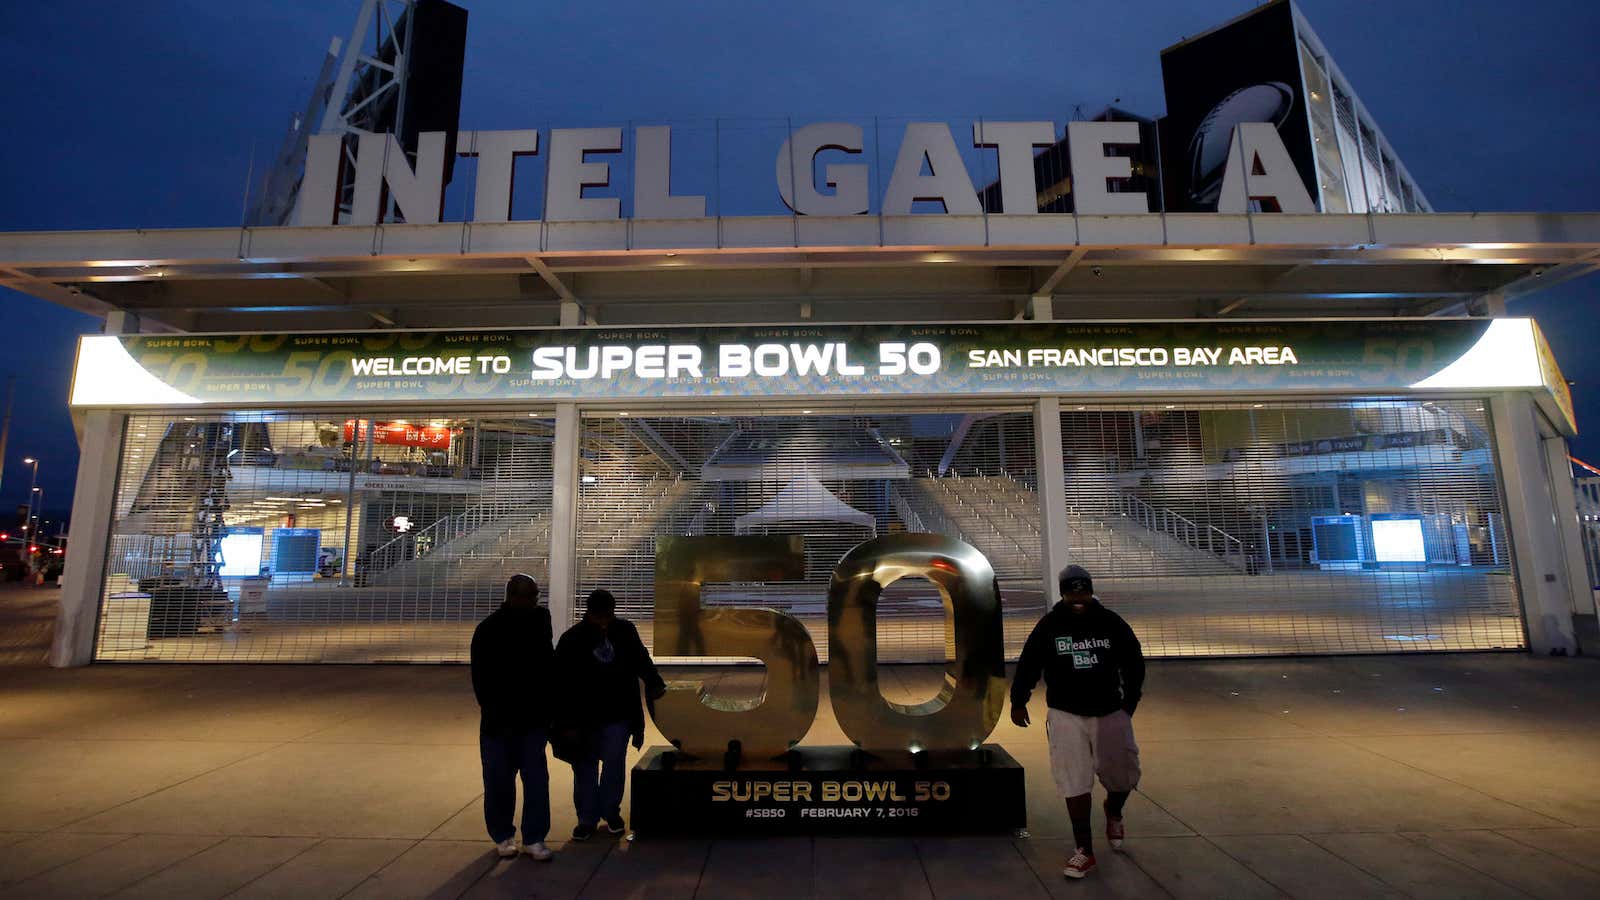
(33, 548)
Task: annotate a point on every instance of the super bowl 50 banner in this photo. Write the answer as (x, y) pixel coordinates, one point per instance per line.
(597, 363)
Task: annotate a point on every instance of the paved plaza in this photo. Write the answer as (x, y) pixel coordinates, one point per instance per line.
(1426, 776)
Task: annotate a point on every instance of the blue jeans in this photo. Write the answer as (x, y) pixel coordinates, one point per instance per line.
(504, 756)
(598, 778)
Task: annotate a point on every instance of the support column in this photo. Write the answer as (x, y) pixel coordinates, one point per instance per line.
(571, 314)
(1536, 540)
(94, 498)
(1052, 493)
(1564, 494)
(563, 585)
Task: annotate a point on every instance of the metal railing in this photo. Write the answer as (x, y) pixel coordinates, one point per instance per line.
(909, 517)
(985, 509)
(1205, 538)
(1082, 542)
(441, 532)
(1588, 494)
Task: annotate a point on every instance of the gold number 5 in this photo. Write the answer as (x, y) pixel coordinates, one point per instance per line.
(693, 718)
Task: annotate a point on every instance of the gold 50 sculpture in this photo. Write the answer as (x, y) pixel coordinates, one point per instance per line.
(699, 723)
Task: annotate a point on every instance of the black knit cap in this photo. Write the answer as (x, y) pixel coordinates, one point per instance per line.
(1075, 577)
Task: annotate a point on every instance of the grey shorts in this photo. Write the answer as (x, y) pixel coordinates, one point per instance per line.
(1082, 747)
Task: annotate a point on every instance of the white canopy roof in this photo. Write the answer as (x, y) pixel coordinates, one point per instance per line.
(951, 268)
(804, 499)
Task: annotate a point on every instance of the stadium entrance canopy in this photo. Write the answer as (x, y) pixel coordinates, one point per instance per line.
(1232, 359)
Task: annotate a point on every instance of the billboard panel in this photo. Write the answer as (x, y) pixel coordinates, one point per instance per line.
(1245, 71)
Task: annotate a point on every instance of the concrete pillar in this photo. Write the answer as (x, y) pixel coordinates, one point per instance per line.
(1051, 476)
(1052, 493)
(563, 585)
(1536, 540)
(571, 314)
(93, 501)
(1563, 493)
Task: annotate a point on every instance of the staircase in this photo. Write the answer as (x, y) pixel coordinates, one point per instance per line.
(1000, 517)
(180, 505)
(1216, 552)
(473, 548)
(1007, 536)
(616, 548)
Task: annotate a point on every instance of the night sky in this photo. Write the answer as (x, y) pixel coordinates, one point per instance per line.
(147, 114)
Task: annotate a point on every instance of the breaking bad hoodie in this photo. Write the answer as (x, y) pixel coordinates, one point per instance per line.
(1091, 662)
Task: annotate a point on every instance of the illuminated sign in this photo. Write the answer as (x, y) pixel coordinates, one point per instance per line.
(847, 361)
(404, 434)
(239, 552)
(1397, 538)
(830, 795)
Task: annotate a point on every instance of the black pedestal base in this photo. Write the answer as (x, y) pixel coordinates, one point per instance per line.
(821, 790)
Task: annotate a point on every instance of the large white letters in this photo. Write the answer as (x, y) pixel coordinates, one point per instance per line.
(569, 175)
(418, 193)
(648, 361)
(949, 183)
(1261, 170)
(928, 167)
(1014, 143)
(796, 163)
(1092, 168)
(497, 153)
(652, 178)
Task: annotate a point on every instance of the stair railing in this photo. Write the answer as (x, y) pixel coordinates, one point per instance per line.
(1205, 538)
(440, 532)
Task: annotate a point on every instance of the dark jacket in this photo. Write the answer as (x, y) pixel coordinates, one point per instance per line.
(1091, 662)
(512, 669)
(595, 692)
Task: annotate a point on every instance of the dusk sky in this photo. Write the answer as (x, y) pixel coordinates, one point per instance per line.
(147, 114)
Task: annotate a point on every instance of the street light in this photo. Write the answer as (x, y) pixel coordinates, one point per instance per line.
(33, 488)
(39, 491)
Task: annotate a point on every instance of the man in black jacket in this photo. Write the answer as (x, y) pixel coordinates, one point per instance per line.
(601, 661)
(511, 676)
(1094, 675)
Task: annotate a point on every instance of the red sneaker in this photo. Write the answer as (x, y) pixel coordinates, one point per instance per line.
(1079, 865)
(1115, 833)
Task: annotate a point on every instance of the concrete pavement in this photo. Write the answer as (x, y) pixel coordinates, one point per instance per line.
(1439, 775)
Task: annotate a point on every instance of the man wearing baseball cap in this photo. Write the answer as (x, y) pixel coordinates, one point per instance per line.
(1093, 673)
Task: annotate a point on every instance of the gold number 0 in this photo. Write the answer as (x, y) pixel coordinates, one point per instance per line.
(969, 702)
(700, 724)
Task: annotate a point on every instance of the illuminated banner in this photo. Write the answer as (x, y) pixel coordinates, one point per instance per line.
(1085, 359)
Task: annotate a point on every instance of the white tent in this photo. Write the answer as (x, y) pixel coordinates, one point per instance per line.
(803, 500)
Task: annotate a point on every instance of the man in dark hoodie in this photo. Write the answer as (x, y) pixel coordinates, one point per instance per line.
(511, 676)
(1093, 674)
(601, 661)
